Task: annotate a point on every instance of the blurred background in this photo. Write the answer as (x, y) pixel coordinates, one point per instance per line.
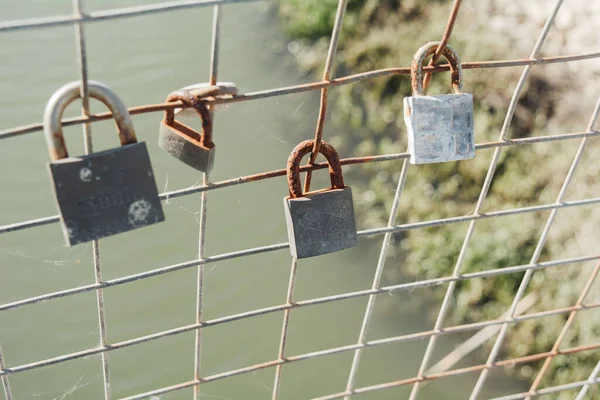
(280, 43)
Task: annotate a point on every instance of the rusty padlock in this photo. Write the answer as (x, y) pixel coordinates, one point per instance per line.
(182, 142)
(440, 128)
(195, 149)
(321, 221)
(104, 193)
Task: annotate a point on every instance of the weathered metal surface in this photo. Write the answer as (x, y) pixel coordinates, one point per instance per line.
(105, 193)
(318, 222)
(195, 149)
(321, 222)
(207, 93)
(66, 95)
(173, 140)
(416, 68)
(440, 128)
(293, 166)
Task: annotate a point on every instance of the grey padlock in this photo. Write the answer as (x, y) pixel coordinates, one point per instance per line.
(440, 128)
(104, 193)
(322, 221)
(195, 149)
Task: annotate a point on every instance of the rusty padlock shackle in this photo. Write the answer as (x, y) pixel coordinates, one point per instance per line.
(295, 158)
(416, 69)
(66, 95)
(185, 96)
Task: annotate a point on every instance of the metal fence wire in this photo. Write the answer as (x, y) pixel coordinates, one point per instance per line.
(512, 316)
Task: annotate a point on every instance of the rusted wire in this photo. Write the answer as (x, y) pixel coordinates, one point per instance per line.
(306, 87)
(366, 232)
(416, 69)
(298, 304)
(459, 371)
(204, 139)
(376, 283)
(495, 351)
(443, 42)
(335, 34)
(364, 389)
(345, 161)
(562, 334)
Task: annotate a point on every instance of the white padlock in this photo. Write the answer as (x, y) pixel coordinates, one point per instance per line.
(440, 128)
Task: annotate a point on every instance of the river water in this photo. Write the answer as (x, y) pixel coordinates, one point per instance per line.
(143, 59)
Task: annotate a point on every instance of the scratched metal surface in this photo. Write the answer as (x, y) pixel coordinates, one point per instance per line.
(440, 128)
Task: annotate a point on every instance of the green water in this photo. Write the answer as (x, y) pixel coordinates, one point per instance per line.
(143, 59)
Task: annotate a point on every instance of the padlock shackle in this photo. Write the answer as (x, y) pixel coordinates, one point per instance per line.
(66, 95)
(416, 69)
(295, 158)
(185, 96)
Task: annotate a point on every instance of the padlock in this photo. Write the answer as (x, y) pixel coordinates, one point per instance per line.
(104, 193)
(321, 221)
(440, 128)
(182, 142)
(206, 90)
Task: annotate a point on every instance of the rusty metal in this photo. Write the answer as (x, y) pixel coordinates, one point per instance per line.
(318, 135)
(306, 87)
(459, 371)
(196, 149)
(439, 128)
(295, 158)
(443, 42)
(416, 69)
(100, 194)
(299, 304)
(555, 348)
(322, 221)
(337, 27)
(365, 389)
(208, 91)
(345, 161)
(204, 139)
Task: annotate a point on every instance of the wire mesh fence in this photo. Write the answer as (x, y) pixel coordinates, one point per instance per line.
(512, 316)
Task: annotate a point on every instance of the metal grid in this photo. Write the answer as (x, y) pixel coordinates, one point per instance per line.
(79, 18)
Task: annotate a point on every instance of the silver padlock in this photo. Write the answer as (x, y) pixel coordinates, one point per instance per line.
(440, 128)
(322, 221)
(103, 193)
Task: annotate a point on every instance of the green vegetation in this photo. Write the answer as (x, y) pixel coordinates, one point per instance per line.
(386, 33)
